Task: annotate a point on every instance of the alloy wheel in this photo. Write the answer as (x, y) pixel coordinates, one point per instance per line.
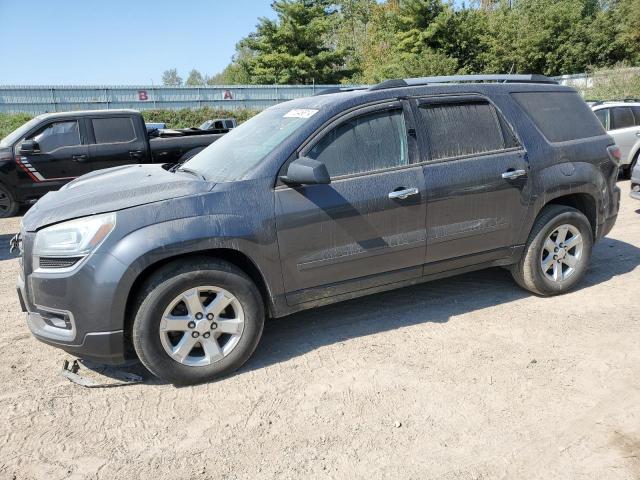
(561, 253)
(201, 326)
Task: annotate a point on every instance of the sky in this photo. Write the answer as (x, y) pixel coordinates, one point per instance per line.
(119, 42)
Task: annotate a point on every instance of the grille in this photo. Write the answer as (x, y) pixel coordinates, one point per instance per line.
(58, 262)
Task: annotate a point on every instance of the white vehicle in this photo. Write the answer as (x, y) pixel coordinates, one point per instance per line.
(622, 122)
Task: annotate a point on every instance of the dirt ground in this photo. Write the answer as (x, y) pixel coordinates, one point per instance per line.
(468, 378)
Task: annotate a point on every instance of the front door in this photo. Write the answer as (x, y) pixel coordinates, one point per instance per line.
(61, 155)
(476, 175)
(367, 226)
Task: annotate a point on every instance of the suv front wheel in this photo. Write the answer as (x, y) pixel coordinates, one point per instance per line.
(557, 252)
(197, 320)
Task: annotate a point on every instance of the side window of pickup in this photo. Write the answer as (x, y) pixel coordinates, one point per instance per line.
(366, 143)
(113, 130)
(463, 129)
(57, 135)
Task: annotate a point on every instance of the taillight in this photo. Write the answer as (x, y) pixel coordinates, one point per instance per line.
(615, 154)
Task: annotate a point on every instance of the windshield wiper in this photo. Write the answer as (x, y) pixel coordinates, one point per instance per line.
(192, 172)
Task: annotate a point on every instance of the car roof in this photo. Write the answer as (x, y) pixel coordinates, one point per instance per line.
(614, 103)
(333, 103)
(85, 113)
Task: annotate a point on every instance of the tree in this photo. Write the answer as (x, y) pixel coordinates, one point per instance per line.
(170, 78)
(295, 48)
(195, 78)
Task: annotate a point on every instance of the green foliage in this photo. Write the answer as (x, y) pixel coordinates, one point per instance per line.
(295, 48)
(10, 121)
(616, 84)
(195, 79)
(186, 118)
(365, 41)
(170, 78)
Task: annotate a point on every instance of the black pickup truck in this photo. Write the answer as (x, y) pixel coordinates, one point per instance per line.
(54, 148)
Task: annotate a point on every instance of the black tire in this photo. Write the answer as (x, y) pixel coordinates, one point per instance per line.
(169, 282)
(627, 172)
(528, 272)
(8, 205)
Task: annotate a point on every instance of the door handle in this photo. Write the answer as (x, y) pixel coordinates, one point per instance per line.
(402, 194)
(511, 174)
(79, 158)
(637, 134)
(135, 154)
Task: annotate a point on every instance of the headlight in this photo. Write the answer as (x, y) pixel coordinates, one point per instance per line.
(74, 238)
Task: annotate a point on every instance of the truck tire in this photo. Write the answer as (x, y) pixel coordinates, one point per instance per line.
(8, 205)
(197, 320)
(557, 253)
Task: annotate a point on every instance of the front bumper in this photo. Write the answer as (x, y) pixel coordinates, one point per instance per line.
(73, 311)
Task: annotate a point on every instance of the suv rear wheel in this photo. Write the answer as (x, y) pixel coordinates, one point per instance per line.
(197, 321)
(8, 205)
(557, 252)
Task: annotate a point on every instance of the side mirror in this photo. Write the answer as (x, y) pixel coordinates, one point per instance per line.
(29, 146)
(306, 171)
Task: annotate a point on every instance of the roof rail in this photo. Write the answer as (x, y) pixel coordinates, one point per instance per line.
(410, 82)
(596, 102)
(329, 90)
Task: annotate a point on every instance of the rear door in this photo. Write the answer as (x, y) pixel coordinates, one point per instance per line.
(115, 141)
(61, 155)
(624, 131)
(476, 174)
(360, 230)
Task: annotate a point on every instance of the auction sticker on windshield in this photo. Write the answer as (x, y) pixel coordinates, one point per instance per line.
(300, 113)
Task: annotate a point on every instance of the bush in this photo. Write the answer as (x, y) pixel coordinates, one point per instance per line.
(10, 121)
(611, 84)
(173, 118)
(186, 118)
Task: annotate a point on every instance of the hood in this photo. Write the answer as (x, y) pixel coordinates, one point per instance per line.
(111, 190)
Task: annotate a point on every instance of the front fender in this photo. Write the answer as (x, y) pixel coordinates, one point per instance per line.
(210, 222)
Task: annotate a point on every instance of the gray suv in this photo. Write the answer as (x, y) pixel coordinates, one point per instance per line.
(316, 201)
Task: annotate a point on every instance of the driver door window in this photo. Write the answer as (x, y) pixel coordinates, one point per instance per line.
(58, 135)
(368, 143)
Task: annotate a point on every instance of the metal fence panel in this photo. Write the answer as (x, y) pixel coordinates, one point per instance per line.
(52, 98)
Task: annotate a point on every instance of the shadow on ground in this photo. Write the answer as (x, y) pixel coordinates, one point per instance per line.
(435, 302)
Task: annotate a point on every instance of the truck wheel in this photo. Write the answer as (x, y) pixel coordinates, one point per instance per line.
(197, 321)
(8, 205)
(557, 253)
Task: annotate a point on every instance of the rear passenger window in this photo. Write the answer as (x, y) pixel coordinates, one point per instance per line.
(461, 129)
(113, 130)
(364, 144)
(560, 116)
(622, 117)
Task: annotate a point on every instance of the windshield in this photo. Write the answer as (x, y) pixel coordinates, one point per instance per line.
(239, 151)
(19, 132)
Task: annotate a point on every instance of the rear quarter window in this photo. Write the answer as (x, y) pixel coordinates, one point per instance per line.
(560, 116)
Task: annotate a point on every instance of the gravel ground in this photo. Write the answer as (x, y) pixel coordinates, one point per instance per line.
(465, 378)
